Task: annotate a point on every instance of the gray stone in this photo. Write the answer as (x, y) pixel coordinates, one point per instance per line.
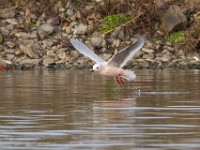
(4, 31)
(33, 35)
(10, 51)
(18, 52)
(81, 29)
(42, 34)
(10, 44)
(29, 51)
(48, 61)
(181, 54)
(1, 48)
(169, 48)
(148, 56)
(62, 55)
(1, 39)
(10, 27)
(118, 34)
(149, 51)
(138, 54)
(7, 13)
(173, 19)
(160, 3)
(22, 35)
(97, 42)
(9, 56)
(47, 28)
(63, 61)
(50, 53)
(70, 12)
(54, 21)
(165, 57)
(47, 43)
(12, 21)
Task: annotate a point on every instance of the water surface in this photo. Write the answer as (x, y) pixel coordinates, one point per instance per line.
(47, 109)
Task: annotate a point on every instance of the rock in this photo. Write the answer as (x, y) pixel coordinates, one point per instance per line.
(74, 54)
(62, 55)
(70, 12)
(12, 21)
(115, 42)
(118, 34)
(50, 53)
(54, 21)
(138, 54)
(160, 3)
(61, 61)
(165, 57)
(22, 35)
(42, 34)
(28, 50)
(169, 48)
(33, 35)
(80, 29)
(10, 51)
(10, 27)
(1, 48)
(173, 19)
(48, 61)
(1, 39)
(18, 52)
(4, 31)
(148, 51)
(7, 13)
(149, 56)
(181, 54)
(10, 44)
(47, 43)
(97, 42)
(47, 28)
(9, 56)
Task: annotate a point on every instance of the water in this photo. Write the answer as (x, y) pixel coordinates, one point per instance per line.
(79, 110)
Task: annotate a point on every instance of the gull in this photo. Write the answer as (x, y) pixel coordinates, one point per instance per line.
(113, 67)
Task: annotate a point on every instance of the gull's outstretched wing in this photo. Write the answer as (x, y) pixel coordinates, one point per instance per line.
(122, 57)
(83, 49)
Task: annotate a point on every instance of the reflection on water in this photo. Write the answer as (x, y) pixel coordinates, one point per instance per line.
(78, 110)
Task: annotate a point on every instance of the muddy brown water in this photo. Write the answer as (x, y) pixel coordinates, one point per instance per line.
(46, 109)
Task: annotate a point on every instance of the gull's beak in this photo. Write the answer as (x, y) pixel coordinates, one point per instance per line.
(92, 70)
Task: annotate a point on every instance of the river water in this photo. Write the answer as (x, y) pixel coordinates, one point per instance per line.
(59, 109)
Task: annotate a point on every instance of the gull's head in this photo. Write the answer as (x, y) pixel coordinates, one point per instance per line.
(97, 67)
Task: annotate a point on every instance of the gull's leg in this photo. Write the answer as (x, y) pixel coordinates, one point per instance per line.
(121, 79)
(118, 80)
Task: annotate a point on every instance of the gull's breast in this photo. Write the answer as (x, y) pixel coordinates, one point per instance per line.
(111, 71)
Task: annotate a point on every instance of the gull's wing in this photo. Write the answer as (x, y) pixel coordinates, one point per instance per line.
(122, 57)
(83, 49)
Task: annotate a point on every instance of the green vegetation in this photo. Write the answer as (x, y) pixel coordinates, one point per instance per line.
(32, 25)
(109, 23)
(177, 37)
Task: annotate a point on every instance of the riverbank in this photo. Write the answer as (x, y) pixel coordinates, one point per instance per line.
(30, 37)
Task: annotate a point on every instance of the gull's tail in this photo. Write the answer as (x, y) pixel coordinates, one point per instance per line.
(129, 75)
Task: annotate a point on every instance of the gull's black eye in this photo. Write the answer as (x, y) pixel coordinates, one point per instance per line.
(97, 67)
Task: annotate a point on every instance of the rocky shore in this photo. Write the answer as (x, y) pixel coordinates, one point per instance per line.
(29, 41)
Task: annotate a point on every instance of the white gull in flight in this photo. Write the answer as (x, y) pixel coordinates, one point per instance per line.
(113, 67)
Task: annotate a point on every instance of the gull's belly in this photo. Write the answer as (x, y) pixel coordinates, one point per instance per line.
(111, 71)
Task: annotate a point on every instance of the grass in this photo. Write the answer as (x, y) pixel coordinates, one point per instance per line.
(177, 37)
(109, 23)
